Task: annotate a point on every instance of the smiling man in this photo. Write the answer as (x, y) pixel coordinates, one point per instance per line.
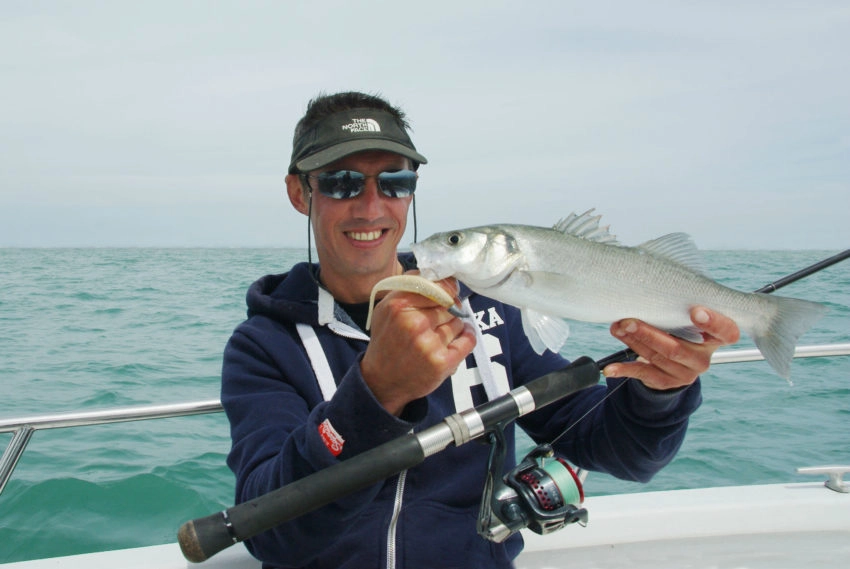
(304, 386)
(355, 237)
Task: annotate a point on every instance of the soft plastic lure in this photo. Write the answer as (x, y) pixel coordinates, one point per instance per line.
(419, 285)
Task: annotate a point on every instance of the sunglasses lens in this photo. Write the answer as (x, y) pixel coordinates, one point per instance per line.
(397, 184)
(341, 185)
(344, 184)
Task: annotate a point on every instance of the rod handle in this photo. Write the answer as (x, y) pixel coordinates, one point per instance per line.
(581, 373)
(202, 538)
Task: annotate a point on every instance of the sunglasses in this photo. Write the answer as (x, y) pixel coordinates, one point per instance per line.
(345, 184)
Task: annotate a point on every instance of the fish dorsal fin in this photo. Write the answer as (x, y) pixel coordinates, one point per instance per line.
(585, 226)
(678, 248)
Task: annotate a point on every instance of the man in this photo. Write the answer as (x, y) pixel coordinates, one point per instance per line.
(305, 387)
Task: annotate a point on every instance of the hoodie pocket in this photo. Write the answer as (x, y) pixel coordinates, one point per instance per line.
(435, 535)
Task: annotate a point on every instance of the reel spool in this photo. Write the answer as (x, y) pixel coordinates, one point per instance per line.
(543, 493)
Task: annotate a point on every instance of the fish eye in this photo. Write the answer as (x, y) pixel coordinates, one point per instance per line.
(455, 239)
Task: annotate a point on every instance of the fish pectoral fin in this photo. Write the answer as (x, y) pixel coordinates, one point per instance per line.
(544, 331)
(546, 279)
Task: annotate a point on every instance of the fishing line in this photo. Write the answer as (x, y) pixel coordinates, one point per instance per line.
(589, 411)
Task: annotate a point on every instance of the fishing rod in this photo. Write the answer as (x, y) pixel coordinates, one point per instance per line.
(804, 272)
(202, 538)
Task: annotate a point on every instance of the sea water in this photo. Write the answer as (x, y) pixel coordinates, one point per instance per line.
(89, 329)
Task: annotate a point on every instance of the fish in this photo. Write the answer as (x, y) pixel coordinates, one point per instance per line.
(577, 270)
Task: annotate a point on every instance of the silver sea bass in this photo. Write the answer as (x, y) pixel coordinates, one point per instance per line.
(577, 270)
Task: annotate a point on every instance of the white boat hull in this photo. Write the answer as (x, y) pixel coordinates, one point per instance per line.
(772, 526)
(766, 526)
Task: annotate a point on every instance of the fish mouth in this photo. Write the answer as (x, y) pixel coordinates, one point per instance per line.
(427, 269)
(431, 274)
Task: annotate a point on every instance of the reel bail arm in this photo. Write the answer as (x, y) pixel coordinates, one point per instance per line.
(542, 493)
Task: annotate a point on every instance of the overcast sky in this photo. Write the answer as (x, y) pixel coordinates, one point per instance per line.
(168, 123)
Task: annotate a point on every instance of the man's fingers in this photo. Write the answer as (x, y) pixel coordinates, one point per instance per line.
(722, 330)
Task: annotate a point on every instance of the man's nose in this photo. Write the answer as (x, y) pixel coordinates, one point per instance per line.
(368, 203)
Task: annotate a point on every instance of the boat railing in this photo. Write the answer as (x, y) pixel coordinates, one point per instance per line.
(22, 428)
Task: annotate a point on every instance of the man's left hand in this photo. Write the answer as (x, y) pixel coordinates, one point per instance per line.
(668, 362)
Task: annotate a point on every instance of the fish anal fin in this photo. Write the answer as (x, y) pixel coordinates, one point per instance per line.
(689, 333)
(678, 248)
(544, 331)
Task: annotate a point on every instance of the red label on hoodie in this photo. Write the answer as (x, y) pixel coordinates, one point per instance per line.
(330, 437)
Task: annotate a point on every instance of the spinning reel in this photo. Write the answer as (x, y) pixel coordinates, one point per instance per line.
(542, 493)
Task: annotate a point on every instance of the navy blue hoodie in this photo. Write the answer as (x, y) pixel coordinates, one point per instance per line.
(283, 428)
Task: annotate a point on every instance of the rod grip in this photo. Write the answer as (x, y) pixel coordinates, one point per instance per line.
(581, 373)
(202, 538)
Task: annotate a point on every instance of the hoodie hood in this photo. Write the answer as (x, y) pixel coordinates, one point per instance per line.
(287, 297)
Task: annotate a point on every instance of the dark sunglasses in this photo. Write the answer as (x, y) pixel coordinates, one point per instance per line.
(345, 184)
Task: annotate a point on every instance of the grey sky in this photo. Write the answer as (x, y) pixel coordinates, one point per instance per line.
(169, 123)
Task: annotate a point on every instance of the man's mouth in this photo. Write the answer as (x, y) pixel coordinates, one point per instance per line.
(365, 235)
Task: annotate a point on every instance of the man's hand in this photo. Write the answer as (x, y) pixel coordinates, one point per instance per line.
(667, 362)
(416, 344)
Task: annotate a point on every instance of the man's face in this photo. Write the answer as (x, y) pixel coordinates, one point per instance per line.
(357, 238)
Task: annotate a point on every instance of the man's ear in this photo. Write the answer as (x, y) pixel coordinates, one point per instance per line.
(298, 196)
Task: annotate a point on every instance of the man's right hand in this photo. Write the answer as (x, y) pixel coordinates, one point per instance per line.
(416, 344)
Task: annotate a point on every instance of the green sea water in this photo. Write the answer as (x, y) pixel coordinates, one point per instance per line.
(88, 329)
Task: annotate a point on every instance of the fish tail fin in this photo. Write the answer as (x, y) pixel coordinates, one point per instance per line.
(778, 339)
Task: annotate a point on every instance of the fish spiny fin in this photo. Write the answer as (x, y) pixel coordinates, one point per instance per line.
(544, 331)
(586, 226)
(678, 248)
